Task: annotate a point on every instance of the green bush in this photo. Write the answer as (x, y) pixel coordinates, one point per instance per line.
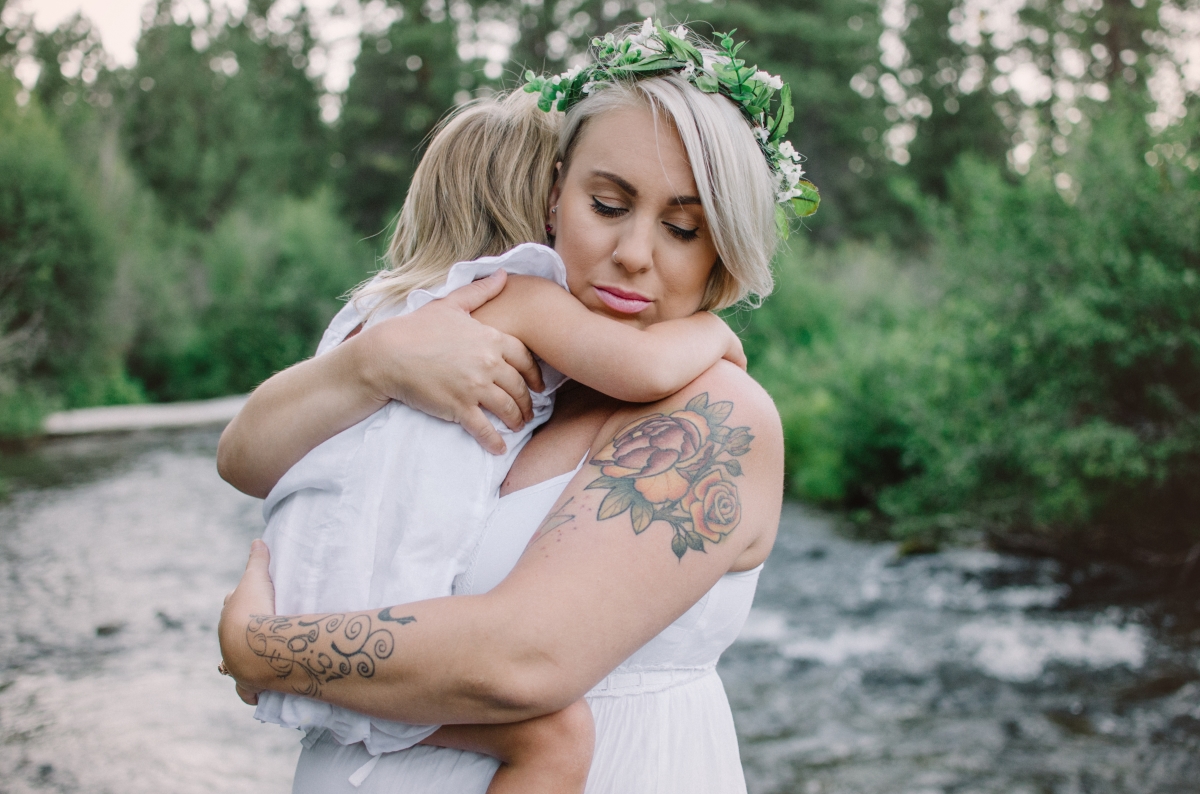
(831, 345)
(1041, 376)
(1072, 325)
(56, 273)
(264, 285)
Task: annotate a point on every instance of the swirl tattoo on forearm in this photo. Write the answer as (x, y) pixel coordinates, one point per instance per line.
(326, 648)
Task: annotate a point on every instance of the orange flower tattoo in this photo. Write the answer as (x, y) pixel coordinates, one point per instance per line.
(676, 468)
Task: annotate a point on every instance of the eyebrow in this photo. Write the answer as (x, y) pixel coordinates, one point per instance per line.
(625, 185)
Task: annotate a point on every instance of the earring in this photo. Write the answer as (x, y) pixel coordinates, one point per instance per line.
(554, 209)
(549, 229)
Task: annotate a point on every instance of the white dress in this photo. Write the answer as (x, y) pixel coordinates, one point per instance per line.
(388, 511)
(663, 724)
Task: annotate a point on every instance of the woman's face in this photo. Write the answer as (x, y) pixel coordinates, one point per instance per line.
(628, 221)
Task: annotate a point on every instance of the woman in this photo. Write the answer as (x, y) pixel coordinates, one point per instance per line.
(664, 204)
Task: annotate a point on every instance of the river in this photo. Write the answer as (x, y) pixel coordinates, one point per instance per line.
(859, 671)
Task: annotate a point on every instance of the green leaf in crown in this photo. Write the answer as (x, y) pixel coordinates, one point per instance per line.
(654, 50)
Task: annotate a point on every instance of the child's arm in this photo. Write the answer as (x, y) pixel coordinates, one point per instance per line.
(631, 364)
(550, 754)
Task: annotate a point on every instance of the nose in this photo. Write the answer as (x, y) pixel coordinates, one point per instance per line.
(635, 246)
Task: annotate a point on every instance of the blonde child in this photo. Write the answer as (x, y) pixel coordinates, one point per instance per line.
(388, 511)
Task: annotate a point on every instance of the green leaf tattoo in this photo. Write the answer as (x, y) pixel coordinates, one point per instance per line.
(676, 468)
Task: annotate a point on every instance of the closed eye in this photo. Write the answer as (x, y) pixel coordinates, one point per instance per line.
(606, 210)
(679, 232)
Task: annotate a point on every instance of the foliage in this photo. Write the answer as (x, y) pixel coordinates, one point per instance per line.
(209, 126)
(1072, 321)
(829, 345)
(264, 284)
(405, 80)
(56, 270)
(1045, 379)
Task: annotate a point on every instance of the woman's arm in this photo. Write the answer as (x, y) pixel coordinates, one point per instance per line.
(436, 359)
(619, 559)
(629, 363)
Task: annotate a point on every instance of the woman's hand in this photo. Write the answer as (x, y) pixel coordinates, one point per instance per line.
(254, 595)
(437, 360)
(443, 363)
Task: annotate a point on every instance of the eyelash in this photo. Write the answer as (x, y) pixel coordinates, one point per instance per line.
(604, 210)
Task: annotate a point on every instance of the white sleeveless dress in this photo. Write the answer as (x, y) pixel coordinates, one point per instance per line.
(388, 511)
(663, 724)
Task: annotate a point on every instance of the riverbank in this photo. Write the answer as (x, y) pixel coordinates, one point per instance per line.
(127, 418)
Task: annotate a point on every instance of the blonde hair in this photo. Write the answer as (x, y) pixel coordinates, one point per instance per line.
(737, 189)
(480, 189)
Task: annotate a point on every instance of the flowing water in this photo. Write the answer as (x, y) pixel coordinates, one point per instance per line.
(964, 671)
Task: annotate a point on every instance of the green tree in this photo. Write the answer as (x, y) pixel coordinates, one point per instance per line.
(224, 111)
(264, 284)
(1072, 318)
(56, 270)
(405, 79)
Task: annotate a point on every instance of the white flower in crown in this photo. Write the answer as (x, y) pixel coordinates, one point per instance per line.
(644, 35)
(762, 134)
(772, 80)
(787, 150)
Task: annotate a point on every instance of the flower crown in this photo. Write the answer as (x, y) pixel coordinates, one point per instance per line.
(654, 50)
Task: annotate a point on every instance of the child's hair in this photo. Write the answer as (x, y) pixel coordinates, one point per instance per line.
(736, 187)
(480, 189)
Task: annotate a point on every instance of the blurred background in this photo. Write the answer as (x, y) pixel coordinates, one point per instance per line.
(986, 342)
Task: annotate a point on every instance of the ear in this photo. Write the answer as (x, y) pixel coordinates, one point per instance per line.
(556, 190)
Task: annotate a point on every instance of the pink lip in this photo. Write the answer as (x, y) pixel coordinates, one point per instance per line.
(622, 301)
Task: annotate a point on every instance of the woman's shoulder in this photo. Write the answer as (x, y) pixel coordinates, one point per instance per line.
(726, 394)
(733, 381)
(709, 458)
(722, 421)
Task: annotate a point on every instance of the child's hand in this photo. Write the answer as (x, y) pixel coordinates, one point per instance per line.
(442, 362)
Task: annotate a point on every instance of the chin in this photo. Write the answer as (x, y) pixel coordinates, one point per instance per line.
(634, 320)
(639, 320)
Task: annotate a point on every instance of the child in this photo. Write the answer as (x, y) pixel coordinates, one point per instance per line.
(387, 511)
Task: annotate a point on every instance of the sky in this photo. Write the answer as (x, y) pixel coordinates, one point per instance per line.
(119, 21)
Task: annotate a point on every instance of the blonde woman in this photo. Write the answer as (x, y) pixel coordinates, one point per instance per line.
(645, 555)
(389, 510)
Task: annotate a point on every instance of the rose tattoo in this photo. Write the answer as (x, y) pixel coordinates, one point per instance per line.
(676, 468)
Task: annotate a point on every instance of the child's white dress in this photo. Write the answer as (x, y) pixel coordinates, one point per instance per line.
(388, 511)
